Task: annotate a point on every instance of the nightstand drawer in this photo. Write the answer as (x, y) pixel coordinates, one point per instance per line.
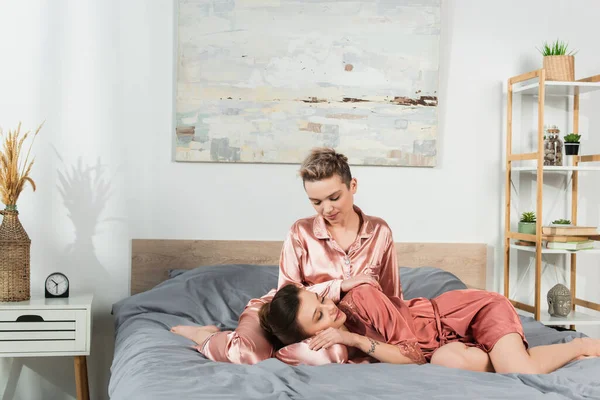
(39, 330)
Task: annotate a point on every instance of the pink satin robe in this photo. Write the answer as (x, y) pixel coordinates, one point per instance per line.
(311, 257)
(418, 326)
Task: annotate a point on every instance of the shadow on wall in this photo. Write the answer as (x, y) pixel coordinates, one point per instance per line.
(85, 191)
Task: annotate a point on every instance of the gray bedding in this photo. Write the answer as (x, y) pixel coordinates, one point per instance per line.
(152, 363)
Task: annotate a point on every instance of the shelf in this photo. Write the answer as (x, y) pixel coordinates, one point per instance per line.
(577, 318)
(557, 88)
(574, 318)
(531, 249)
(559, 169)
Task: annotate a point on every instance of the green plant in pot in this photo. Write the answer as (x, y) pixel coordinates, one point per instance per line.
(561, 222)
(559, 61)
(572, 144)
(527, 223)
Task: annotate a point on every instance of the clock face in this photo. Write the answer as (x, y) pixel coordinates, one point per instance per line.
(57, 284)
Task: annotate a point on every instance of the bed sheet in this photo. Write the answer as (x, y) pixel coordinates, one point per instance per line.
(152, 363)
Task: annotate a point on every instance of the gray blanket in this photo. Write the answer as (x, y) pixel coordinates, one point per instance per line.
(152, 363)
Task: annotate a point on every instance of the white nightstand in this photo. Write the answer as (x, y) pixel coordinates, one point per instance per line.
(44, 327)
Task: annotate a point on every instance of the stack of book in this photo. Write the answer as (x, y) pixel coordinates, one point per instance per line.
(570, 237)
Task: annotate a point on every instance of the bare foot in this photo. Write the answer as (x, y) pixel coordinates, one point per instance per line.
(197, 334)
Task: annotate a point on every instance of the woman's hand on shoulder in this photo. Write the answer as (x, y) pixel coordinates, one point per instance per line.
(331, 336)
(358, 280)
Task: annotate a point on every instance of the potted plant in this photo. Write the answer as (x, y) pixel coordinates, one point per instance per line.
(15, 170)
(572, 144)
(559, 62)
(561, 222)
(527, 223)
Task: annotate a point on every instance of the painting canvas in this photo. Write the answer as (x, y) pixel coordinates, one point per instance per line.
(264, 81)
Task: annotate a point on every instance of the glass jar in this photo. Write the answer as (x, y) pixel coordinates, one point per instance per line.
(553, 147)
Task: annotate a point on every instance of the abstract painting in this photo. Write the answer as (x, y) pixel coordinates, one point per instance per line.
(264, 81)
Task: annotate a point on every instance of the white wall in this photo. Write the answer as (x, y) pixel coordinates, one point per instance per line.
(101, 74)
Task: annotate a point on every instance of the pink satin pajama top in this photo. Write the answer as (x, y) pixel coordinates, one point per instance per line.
(311, 257)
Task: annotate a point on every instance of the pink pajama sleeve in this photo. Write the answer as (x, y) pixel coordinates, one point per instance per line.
(301, 354)
(247, 344)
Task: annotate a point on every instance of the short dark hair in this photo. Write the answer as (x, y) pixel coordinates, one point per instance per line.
(279, 317)
(323, 163)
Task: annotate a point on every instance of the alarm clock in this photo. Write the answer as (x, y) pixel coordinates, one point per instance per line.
(57, 285)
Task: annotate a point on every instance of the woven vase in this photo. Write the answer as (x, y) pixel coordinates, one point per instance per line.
(14, 257)
(560, 68)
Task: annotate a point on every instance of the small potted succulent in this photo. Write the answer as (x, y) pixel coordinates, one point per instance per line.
(572, 144)
(527, 223)
(561, 222)
(559, 61)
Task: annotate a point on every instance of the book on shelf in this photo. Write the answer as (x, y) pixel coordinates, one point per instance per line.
(564, 239)
(570, 230)
(589, 244)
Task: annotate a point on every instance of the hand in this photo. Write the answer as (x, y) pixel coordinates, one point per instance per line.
(329, 337)
(358, 280)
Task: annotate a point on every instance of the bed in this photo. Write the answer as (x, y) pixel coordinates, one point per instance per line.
(209, 282)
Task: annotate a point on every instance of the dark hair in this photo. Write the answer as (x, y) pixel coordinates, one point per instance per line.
(323, 163)
(278, 318)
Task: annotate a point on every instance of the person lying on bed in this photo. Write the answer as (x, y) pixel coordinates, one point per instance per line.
(415, 331)
(328, 254)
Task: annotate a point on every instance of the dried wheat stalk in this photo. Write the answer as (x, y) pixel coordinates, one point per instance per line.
(14, 172)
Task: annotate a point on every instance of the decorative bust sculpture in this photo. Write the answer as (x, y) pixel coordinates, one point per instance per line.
(559, 301)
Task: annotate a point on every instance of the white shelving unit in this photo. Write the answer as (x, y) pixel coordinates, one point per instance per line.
(539, 90)
(556, 88)
(531, 249)
(575, 318)
(563, 169)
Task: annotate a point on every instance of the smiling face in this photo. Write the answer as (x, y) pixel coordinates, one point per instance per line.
(318, 313)
(332, 198)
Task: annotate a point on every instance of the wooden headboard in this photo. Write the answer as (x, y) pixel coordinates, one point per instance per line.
(152, 259)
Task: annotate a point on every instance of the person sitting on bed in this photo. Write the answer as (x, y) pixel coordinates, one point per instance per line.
(328, 254)
(417, 331)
